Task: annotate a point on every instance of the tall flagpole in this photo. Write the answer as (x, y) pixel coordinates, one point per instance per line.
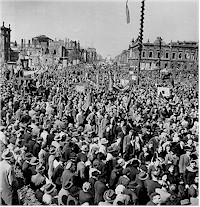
(140, 38)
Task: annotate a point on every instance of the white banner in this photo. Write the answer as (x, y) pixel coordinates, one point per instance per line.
(80, 88)
(164, 91)
(124, 82)
(134, 77)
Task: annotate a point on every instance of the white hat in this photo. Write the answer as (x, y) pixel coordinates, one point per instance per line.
(74, 140)
(109, 157)
(88, 163)
(104, 141)
(85, 204)
(68, 166)
(119, 189)
(84, 148)
(120, 161)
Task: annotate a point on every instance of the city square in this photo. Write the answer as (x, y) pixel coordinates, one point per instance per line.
(99, 102)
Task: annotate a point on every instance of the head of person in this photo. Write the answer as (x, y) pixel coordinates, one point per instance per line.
(164, 177)
(121, 162)
(130, 132)
(8, 156)
(155, 198)
(171, 168)
(172, 187)
(156, 162)
(70, 165)
(188, 151)
(168, 148)
(193, 164)
(150, 145)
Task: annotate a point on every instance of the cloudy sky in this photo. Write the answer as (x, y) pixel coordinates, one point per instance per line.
(101, 23)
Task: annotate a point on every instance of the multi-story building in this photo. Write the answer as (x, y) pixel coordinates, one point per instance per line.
(123, 58)
(43, 50)
(180, 54)
(159, 54)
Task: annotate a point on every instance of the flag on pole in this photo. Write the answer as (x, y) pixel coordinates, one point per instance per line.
(127, 13)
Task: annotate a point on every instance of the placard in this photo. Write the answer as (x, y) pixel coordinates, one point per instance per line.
(164, 91)
(80, 88)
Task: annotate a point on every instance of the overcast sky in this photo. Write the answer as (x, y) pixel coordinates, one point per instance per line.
(101, 24)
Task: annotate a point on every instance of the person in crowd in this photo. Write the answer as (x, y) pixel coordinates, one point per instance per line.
(98, 146)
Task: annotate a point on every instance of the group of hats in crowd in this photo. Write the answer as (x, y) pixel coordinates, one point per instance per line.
(106, 155)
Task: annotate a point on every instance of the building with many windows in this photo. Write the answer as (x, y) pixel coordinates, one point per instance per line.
(180, 54)
(42, 50)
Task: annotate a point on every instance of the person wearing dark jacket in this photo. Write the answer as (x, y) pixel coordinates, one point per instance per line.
(133, 169)
(141, 191)
(84, 195)
(190, 173)
(99, 189)
(37, 147)
(57, 174)
(114, 176)
(31, 144)
(155, 200)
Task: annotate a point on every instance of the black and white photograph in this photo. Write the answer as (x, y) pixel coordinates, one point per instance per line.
(99, 102)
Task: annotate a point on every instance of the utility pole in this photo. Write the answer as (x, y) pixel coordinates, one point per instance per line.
(160, 49)
(140, 38)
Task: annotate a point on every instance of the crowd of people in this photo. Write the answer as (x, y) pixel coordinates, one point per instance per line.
(99, 147)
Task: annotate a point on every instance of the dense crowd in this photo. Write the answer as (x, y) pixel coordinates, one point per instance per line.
(99, 147)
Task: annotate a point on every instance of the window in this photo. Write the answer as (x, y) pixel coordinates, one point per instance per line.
(180, 55)
(143, 54)
(173, 55)
(150, 54)
(166, 55)
(185, 56)
(158, 54)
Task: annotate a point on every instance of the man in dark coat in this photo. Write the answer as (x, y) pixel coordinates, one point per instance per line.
(155, 200)
(84, 194)
(114, 176)
(133, 169)
(31, 144)
(152, 184)
(37, 147)
(99, 188)
(57, 174)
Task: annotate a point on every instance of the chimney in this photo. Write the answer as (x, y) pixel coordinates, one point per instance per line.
(22, 42)
(29, 43)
